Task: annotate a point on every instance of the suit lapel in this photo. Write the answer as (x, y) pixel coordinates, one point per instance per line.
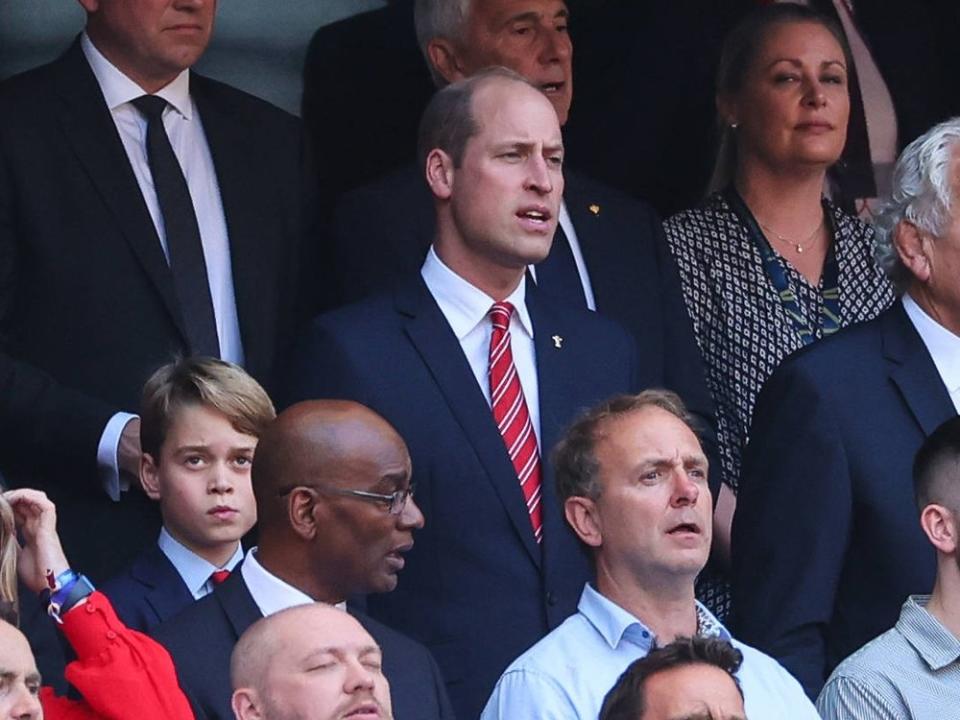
(167, 594)
(553, 374)
(440, 350)
(599, 253)
(250, 256)
(237, 603)
(913, 372)
(89, 128)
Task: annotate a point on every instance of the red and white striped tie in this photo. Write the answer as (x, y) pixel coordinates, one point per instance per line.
(511, 414)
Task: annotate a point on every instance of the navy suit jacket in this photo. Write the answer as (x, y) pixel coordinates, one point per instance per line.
(202, 637)
(826, 539)
(476, 589)
(87, 303)
(382, 231)
(149, 592)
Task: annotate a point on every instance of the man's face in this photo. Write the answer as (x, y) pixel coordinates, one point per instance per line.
(942, 286)
(529, 37)
(505, 196)
(361, 543)
(692, 692)
(202, 480)
(653, 512)
(151, 41)
(329, 668)
(19, 679)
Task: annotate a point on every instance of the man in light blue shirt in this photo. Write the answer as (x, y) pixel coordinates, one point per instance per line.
(912, 671)
(633, 480)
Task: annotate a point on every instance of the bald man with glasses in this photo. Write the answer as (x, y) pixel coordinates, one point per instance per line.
(336, 516)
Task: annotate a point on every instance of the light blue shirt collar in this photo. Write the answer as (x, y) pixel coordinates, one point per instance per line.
(194, 570)
(119, 89)
(464, 305)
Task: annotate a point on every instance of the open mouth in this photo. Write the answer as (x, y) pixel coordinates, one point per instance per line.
(684, 528)
(365, 711)
(552, 87)
(539, 216)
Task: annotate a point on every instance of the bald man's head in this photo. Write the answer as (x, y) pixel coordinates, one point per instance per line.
(311, 662)
(19, 676)
(332, 482)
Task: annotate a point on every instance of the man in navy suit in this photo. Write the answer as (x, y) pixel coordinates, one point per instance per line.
(609, 253)
(825, 539)
(91, 299)
(336, 515)
(479, 372)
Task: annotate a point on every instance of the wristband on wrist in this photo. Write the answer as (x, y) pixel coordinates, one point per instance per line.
(66, 597)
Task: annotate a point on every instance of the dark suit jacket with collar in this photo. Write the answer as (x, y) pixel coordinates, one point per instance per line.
(202, 637)
(826, 539)
(87, 306)
(149, 592)
(381, 233)
(476, 589)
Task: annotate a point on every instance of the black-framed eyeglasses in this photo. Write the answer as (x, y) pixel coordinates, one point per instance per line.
(395, 502)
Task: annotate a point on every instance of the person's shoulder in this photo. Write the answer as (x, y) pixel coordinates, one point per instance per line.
(764, 673)
(251, 108)
(604, 198)
(562, 648)
(873, 662)
(195, 621)
(840, 355)
(358, 318)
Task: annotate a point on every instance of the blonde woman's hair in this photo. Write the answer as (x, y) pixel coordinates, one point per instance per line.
(8, 563)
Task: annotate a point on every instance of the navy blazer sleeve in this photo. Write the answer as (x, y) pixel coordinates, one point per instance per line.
(791, 527)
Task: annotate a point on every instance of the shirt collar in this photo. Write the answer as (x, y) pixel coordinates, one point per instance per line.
(933, 642)
(464, 305)
(119, 89)
(270, 593)
(194, 570)
(943, 345)
(614, 623)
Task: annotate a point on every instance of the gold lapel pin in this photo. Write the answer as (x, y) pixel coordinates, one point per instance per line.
(557, 341)
(595, 209)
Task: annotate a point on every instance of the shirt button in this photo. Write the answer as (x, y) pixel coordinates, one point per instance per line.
(89, 608)
(111, 635)
(551, 598)
(646, 635)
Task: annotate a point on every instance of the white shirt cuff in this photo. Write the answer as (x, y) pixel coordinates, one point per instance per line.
(108, 465)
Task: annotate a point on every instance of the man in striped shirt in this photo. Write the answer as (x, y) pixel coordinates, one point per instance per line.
(912, 672)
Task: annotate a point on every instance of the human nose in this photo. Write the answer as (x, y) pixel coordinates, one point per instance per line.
(358, 676)
(686, 490)
(26, 704)
(556, 46)
(538, 175)
(219, 481)
(814, 94)
(410, 515)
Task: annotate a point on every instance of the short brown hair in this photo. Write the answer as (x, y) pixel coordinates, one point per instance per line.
(574, 457)
(626, 700)
(218, 384)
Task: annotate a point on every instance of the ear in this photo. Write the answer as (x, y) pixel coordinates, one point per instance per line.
(440, 173)
(300, 513)
(91, 6)
(245, 705)
(940, 526)
(581, 513)
(149, 476)
(443, 58)
(911, 243)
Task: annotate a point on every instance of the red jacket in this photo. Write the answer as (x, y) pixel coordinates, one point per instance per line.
(121, 674)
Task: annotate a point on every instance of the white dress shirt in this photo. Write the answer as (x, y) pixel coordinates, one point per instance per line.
(185, 130)
(270, 593)
(943, 346)
(194, 570)
(465, 307)
(574, 242)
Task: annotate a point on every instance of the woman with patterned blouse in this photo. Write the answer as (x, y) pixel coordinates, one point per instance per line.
(767, 264)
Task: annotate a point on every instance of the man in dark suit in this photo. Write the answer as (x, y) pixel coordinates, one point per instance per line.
(336, 516)
(479, 373)
(609, 254)
(825, 539)
(110, 264)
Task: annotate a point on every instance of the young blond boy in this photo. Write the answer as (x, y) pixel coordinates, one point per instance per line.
(199, 423)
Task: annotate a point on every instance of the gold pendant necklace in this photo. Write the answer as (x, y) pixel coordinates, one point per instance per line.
(797, 244)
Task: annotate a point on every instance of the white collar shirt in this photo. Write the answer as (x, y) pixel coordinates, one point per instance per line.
(193, 569)
(270, 593)
(943, 346)
(466, 309)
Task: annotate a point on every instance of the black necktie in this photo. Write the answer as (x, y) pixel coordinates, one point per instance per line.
(183, 234)
(557, 274)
